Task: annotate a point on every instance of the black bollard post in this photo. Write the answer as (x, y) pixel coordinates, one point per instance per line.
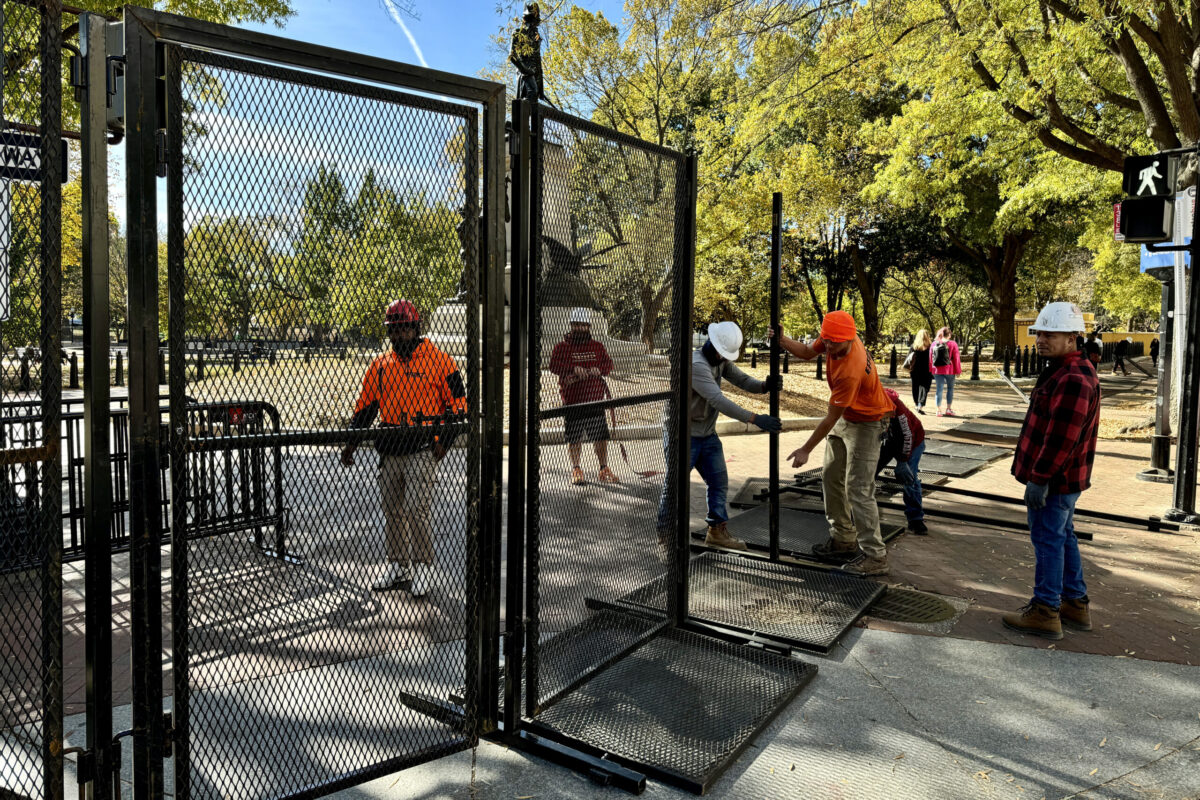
(200, 366)
(307, 356)
(271, 357)
(1007, 362)
(237, 362)
(753, 359)
(26, 381)
(787, 360)
(162, 368)
(74, 370)
(120, 369)
(975, 364)
(820, 366)
(892, 363)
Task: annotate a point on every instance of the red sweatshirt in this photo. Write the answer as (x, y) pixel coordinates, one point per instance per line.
(568, 355)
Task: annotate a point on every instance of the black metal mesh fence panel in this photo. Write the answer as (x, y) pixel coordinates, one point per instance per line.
(326, 623)
(606, 265)
(31, 669)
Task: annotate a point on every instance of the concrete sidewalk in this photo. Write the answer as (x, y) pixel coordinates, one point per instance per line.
(894, 715)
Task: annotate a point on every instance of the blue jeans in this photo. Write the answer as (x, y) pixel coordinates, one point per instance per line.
(709, 457)
(1059, 572)
(947, 382)
(906, 473)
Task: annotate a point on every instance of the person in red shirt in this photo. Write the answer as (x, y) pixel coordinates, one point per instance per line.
(905, 444)
(1053, 459)
(411, 388)
(855, 422)
(581, 362)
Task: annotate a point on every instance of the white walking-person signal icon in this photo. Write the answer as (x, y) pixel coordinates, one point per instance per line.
(1147, 177)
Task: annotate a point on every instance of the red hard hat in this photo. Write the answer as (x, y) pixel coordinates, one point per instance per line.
(401, 311)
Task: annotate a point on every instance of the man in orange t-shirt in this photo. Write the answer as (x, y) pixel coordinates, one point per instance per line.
(857, 418)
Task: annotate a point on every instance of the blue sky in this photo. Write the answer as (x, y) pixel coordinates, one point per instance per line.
(453, 35)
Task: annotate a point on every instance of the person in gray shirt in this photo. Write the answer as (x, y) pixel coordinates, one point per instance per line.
(711, 364)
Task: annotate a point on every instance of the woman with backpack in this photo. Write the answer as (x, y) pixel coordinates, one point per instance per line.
(946, 366)
(920, 371)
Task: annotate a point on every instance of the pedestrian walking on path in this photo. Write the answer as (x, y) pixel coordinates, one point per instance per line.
(920, 369)
(409, 388)
(1154, 353)
(1120, 353)
(857, 417)
(711, 364)
(904, 443)
(1054, 459)
(581, 362)
(946, 366)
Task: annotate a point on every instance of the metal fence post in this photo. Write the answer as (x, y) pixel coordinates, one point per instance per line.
(141, 181)
(683, 445)
(97, 475)
(773, 450)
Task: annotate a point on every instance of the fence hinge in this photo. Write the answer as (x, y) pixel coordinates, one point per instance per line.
(160, 152)
(514, 144)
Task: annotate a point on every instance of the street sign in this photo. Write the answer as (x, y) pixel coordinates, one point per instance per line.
(1150, 176)
(21, 157)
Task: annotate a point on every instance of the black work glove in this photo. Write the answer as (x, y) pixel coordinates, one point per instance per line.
(773, 383)
(1035, 496)
(768, 423)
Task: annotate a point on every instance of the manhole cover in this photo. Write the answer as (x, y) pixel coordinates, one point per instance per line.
(905, 605)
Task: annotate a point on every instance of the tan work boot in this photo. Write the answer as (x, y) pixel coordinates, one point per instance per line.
(833, 550)
(1074, 614)
(718, 536)
(1035, 619)
(867, 568)
(577, 477)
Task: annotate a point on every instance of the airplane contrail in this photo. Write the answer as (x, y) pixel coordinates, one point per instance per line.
(399, 20)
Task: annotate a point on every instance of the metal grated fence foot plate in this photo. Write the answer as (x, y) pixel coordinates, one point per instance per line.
(1004, 415)
(998, 431)
(798, 530)
(799, 606)
(978, 452)
(680, 708)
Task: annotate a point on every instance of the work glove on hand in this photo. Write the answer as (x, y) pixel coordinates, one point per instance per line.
(768, 423)
(1035, 496)
(773, 383)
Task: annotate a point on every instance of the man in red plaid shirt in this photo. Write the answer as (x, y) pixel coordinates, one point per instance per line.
(1054, 460)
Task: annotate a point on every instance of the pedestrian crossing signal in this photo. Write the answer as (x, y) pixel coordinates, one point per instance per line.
(1147, 219)
(1150, 176)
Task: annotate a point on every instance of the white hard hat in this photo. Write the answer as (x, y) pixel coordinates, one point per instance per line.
(1059, 318)
(581, 315)
(726, 337)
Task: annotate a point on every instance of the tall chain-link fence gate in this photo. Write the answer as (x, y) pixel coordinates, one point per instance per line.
(31, 313)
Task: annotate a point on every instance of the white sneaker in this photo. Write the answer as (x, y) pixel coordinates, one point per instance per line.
(422, 578)
(393, 574)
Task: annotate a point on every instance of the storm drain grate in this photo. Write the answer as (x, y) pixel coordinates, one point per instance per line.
(799, 531)
(799, 606)
(680, 708)
(907, 605)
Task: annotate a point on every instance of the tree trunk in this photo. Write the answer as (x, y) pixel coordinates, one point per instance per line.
(870, 302)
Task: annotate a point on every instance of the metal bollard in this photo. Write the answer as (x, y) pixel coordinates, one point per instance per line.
(787, 360)
(975, 364)
(74, 370)
(892, 363)
(120, 369)
(26, 381)
(820, 366)
(162, 368)
(237, 362)
(271, 357)
(1007, 362)
(753, 359)
(1028, 361)
(200, 367)
(307, 356)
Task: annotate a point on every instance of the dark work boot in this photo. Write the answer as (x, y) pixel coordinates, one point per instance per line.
(833, 550)
(1074, 613)
(1035, 619)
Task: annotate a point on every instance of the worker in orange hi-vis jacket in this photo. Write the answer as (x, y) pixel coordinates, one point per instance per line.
(412, 386)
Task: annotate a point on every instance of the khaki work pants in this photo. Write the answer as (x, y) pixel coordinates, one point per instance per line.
(406, 486)
(848, 481)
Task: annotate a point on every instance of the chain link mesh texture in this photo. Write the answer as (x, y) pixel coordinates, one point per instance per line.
(606, 260)
(31, 286)
(329, 530)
